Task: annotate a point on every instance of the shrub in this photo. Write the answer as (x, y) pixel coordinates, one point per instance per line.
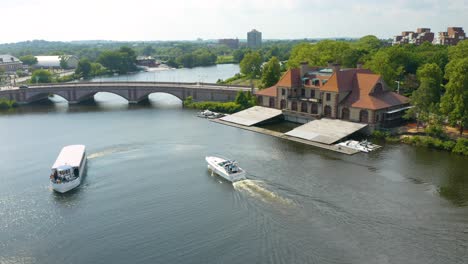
(435, 131)
(379, 134)
(7, 104)
(461, 147)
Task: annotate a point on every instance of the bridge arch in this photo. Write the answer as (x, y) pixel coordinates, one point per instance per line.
(146, 96)
(46, 97)
(89, 96)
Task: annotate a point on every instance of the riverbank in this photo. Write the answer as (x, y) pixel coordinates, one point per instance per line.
(456, 146)
(6, 104)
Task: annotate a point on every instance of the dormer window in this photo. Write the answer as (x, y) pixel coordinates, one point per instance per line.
(378, 88)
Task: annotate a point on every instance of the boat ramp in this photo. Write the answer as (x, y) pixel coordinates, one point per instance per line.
(323, 133)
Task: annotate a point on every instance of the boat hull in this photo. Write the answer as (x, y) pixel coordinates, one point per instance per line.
(220, 171)
(67, 186)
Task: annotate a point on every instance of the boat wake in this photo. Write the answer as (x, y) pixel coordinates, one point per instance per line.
(255, 189)
(110, 151)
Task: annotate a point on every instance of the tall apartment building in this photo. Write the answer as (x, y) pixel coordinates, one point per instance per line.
(232, 43)
(254, 39)
(451, 37)
(409, 37)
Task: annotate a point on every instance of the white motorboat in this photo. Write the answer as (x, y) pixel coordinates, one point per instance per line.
(228, 169)
(68, 169)
(364, 146)
(210, 114)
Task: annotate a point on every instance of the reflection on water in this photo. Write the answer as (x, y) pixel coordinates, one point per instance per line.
(148, 197)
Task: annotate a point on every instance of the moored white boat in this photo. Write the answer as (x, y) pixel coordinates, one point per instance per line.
(364, 146)
(68, 169)
(228, 169)
(210, 114)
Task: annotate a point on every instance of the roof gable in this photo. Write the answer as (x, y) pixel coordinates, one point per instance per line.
(292, 78)
(272, 91)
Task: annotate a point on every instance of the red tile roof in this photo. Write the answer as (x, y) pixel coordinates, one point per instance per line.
(362, 95)
(342, 80)
(292, 78)
(268, 92)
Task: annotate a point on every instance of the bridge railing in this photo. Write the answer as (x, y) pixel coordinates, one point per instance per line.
(136, 82)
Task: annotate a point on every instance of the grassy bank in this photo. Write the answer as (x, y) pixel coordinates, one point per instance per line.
(240, 79)
(459, 146)
(243, 101)
(6, 104)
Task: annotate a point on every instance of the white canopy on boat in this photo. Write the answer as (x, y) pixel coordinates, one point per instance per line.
(70, 155)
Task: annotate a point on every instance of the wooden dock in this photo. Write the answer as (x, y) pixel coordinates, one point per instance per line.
(272, 133)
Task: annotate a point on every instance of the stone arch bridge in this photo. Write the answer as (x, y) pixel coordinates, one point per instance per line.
(134, 92)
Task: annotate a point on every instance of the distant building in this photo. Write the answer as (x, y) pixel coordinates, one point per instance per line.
(231, 43)
(409, 37)
(147, 61)
(356, 95)
(53, 62)
(10, 63)
(254, 39)
(451, 37)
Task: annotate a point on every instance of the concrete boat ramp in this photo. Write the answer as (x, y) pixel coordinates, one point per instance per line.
(321, 133)
(253, 116)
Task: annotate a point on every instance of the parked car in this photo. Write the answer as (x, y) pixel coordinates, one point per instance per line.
(23, 86)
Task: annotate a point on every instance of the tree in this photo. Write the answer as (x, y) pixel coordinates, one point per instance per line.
(148, 50)
(369, 43)
(242, 100)
(251, 64)
(271, 72)
(319, 54)
(121, 61)
(425, 99)
(454, 102)
(84, 68)
(63, 62)
(41, 76)
(28, 60)
(459, 51)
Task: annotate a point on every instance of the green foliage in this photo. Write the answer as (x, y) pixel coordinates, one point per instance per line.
(225, 59)
(200, 57)
(435, 130)
(271, 72)
(319, 54)
(41, 76)
(121, 61)
(251, 64)
(461, 147)
(7, 104)
(84, 68)
(63, 63)
(148, 50)
(426, 98)
(460, 51)
(237, 76)
(243, 101)
(454, 102)
(28, 60)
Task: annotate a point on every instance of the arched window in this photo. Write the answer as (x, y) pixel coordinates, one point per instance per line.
(294, 106)
(314, 109)
(271, 103)
(364, 116)
(345, 114)
(282, 104)
(304, 107)
(327, 111)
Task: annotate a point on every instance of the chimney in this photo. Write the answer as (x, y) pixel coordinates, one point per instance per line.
(334, 66)
(304, 68)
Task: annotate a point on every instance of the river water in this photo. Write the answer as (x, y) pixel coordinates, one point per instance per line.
(198, 74)
(147, 196)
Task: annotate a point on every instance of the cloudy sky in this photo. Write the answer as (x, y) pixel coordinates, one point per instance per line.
(211, 19)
